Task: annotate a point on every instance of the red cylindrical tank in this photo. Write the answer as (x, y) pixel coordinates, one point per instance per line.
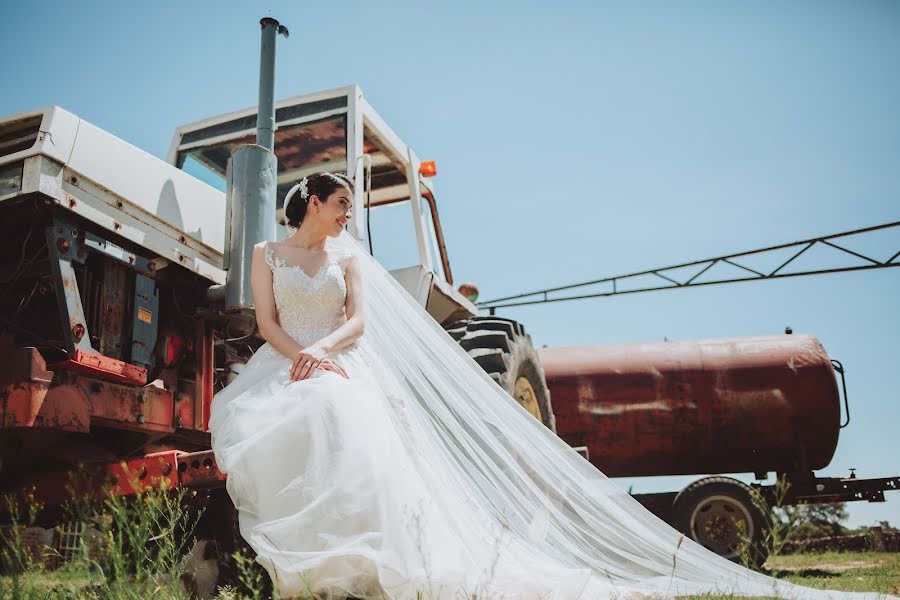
(713, 406)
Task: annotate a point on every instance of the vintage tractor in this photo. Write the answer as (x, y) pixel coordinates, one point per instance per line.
(125, 301)
(338, 130)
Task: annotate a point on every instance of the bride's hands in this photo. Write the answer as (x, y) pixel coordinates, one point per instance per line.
(311, 358)
(330, 365)
(306, 361)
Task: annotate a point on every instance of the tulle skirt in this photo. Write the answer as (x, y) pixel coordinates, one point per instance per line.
(335, 502)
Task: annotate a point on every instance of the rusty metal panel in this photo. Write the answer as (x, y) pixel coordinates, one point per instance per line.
(30, 396)
(24, 381)
(148, 408)
(714, 406)
(203, 374)
(65, 408)
(62, 243)
(141, 474)
(97, 365)
(112, 309)
(184, 410)
(199, 469)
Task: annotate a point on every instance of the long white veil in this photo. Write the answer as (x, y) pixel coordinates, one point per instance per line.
(471, 436)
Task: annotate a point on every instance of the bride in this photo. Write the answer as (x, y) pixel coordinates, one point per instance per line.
(368, 455)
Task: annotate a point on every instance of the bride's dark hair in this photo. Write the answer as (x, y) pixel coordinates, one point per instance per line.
(321, 184)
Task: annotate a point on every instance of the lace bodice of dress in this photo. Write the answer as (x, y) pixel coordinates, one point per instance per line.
(309, 307)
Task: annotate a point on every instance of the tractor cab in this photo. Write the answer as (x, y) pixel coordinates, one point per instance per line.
(395, 214)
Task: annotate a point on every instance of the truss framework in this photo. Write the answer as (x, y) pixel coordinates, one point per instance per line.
(664, 278)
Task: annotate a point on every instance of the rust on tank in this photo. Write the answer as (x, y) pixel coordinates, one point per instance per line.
(673, 408)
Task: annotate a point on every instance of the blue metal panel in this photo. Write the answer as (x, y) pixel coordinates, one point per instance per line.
(146, 319)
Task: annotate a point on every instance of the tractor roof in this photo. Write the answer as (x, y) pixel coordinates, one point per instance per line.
(323, 131)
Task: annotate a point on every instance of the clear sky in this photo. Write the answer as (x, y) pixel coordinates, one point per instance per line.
(574, 140)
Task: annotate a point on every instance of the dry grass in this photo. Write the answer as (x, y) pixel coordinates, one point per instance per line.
(846, 571)
(134, 564)
(856, 572)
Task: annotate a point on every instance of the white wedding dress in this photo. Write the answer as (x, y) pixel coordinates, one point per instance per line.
(389, 485)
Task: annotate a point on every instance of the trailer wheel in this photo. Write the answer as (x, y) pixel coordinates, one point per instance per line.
(714, 512)
(505, 351)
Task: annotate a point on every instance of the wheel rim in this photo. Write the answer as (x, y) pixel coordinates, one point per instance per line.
(524, 395)
(716, 524)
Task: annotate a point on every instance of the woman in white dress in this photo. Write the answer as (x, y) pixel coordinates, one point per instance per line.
(368, 455)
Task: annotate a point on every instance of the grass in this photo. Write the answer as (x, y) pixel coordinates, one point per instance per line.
(845, 571)
(146, 536)
(141, 540)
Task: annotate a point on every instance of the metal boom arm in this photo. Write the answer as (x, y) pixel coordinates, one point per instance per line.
(665, 281)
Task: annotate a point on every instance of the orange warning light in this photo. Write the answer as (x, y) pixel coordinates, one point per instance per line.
(427, 168)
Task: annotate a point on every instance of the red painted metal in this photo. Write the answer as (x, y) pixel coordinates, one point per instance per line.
(141, 474)
(63, 407)
(172, 348)
(169, 468)
(24, 381)
(33, 396)
(97, 365)
(184, 410)
(714, 406)
(166, 469)
(145, 409)
(204, 349)
(199, 470)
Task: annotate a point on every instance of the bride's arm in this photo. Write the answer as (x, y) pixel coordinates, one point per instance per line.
(353, 328)
(264, 300)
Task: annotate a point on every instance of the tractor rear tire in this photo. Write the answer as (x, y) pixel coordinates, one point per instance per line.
(505, 351)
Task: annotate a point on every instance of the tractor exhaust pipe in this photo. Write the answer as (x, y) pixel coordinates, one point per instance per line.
(265, 115)
(252, 178)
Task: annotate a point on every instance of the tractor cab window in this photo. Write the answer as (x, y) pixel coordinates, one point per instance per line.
(393, 239)
(211, 176)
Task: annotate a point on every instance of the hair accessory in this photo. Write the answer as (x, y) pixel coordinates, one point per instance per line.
(304, 193)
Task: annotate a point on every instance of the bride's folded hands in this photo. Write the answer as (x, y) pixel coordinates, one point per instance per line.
(306, 361)
(330, 365)
(311, 358)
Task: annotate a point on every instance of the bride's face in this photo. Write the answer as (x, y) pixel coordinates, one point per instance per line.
(335, 211)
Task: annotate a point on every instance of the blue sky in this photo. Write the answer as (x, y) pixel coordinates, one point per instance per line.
(573, 141)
